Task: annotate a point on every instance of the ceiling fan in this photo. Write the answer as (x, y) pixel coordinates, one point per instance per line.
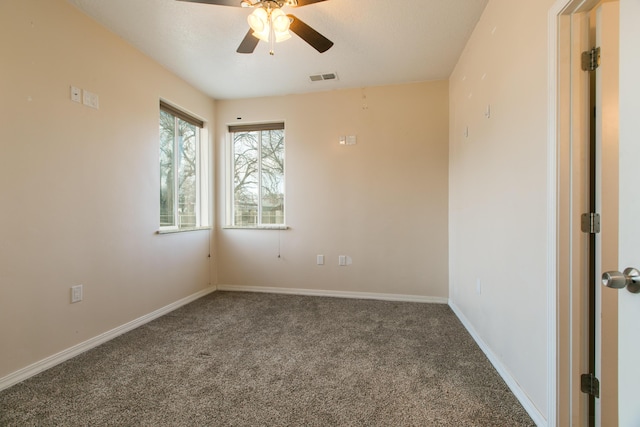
(269, 23)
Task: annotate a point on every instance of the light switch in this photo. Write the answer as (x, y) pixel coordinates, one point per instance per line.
(90, 99)
(76, 293)
(348, 140)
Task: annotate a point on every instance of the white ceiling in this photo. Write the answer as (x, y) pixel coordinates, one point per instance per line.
(376, 42)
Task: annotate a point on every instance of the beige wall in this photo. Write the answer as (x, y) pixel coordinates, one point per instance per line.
(79, 187)
(383, 201)
(498, 178)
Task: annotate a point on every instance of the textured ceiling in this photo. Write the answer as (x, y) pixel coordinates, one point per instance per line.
(377, 42)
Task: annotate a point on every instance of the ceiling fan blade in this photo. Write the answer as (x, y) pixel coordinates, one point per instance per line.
(248, 44)
(235, 3)
(311, 36)
(306, 2)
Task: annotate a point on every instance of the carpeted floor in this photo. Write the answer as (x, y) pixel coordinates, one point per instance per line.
(245, 359)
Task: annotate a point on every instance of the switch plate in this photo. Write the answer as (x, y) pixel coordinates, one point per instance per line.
(478, 286)
(348, 139)
(75, 94)
(90, 99)
(76, 293)
(320, 259)
(342, 260)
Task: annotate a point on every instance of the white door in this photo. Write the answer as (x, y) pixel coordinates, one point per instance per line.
(606, 102)
(629, 207)
(625, 366)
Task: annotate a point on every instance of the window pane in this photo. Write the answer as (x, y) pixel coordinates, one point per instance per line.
(181, 183)
(272, 177)
(167, 136)
(245, 178)
(187, 143)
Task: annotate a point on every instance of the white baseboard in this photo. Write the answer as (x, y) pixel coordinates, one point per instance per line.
(336, 294)
(520, 394)
(51, 361)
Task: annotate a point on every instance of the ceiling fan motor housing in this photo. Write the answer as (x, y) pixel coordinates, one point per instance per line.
(269, 4)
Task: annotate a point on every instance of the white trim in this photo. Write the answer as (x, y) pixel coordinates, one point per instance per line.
(257, 227)
(519, 393)
(229, 177)
(64, 355)
(336, 294)
(552, 211)
(172, 230)
(559, 8)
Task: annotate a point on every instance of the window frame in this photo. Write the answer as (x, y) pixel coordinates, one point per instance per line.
(201, 208)
(230, 184)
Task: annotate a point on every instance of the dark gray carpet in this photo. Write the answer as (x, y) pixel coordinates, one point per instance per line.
(243, 359)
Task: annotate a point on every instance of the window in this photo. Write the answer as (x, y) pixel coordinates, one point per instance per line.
(257, 164)
(182, 170)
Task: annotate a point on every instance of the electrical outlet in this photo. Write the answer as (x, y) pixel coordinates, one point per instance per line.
(320, 259)
(76, 293)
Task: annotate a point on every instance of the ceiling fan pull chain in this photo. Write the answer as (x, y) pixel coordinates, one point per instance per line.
(272, 37)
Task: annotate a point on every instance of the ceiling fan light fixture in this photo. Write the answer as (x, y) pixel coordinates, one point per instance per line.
(280, 21)
(265, 35)
(270, 25)
(282, 36)
(262, 35)
(258, 20)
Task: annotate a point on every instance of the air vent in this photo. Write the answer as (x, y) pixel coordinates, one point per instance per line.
(324, 76)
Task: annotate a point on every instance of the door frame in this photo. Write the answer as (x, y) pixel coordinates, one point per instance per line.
(566, 355)
(563, 406)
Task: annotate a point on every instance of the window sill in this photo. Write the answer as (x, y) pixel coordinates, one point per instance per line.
(256, 227)
(180, 230)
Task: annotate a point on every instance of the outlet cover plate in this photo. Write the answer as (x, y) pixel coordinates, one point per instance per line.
(90, 99)
(76, 293)
(75, 94)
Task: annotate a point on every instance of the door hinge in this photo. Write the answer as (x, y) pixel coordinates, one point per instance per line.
(590, 385)
(591, 59)
(590, 223)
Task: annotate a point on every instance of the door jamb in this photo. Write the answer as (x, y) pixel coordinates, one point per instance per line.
(559, 375)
